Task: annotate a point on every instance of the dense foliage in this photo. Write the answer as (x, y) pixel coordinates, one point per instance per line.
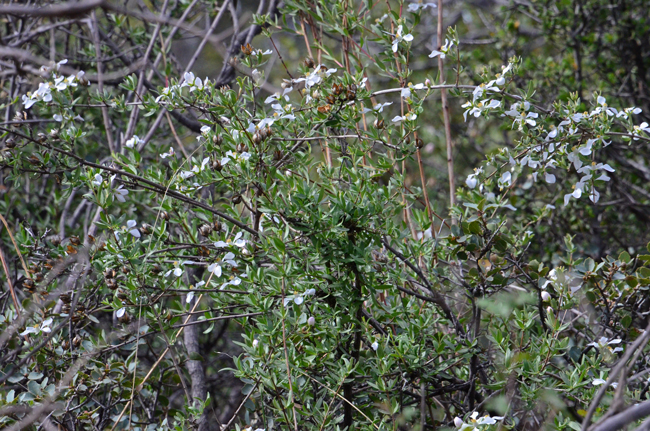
(355, 222)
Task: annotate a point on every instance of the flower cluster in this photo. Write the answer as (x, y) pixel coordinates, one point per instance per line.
(58, 83)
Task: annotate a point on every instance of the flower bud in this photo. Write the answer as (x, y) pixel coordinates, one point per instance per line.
(427, 82)
(545, 296)
(458, 422)
(256, 342)
(311, 321)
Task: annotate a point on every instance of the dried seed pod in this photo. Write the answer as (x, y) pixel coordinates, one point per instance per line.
(331, 99)
(257, 139)
(324, 109)
(419, 143)
(74, 240)
(217, 139)
(54, 133)
(146, 229)
(65, 345)
(217, 226)
(125, 269)
(29, 285)
(379, 124)
(236, 199)
(49, 264)
(247, 49)
(309, 62)
(109, 273)
(216, 165)
(156, 269)
(76, 341)
(352, 87)
(38, 277)
(164, 215)
(41, 137)
(277, 155)
(233, 61)
(111, 283)
(66, 298)
(205, 230)
(351, 95)
(65, 309)
(203, 251)
(55, 240)
(124, 318)
(91, 239)
(268, 132)
(121, 294)
(241, 147)
(10, 143)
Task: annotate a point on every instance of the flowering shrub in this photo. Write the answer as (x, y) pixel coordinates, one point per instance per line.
(270, 247)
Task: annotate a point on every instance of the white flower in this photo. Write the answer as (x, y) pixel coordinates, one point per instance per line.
(550, 178)
(399, 38)
(471, 181)
(193, 82)
(37, 329)
(444, 50)
(598, 382)
(190, 295)
(178, 270)
(98, 180)
(378, 107)
(374, 346)
(170, 153)
(476, 109)
(519, 112)
(237, 240)
(57, 117)
(605, 342)
(410, 116)
(299, 298)
(314, 77)
(234, 281)
(131, 224)
(215, 267)
(505, 180)
(414, 7)
(641, 127)
(475, 420)
(120, 192)
(480, 90)
(135, 140)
